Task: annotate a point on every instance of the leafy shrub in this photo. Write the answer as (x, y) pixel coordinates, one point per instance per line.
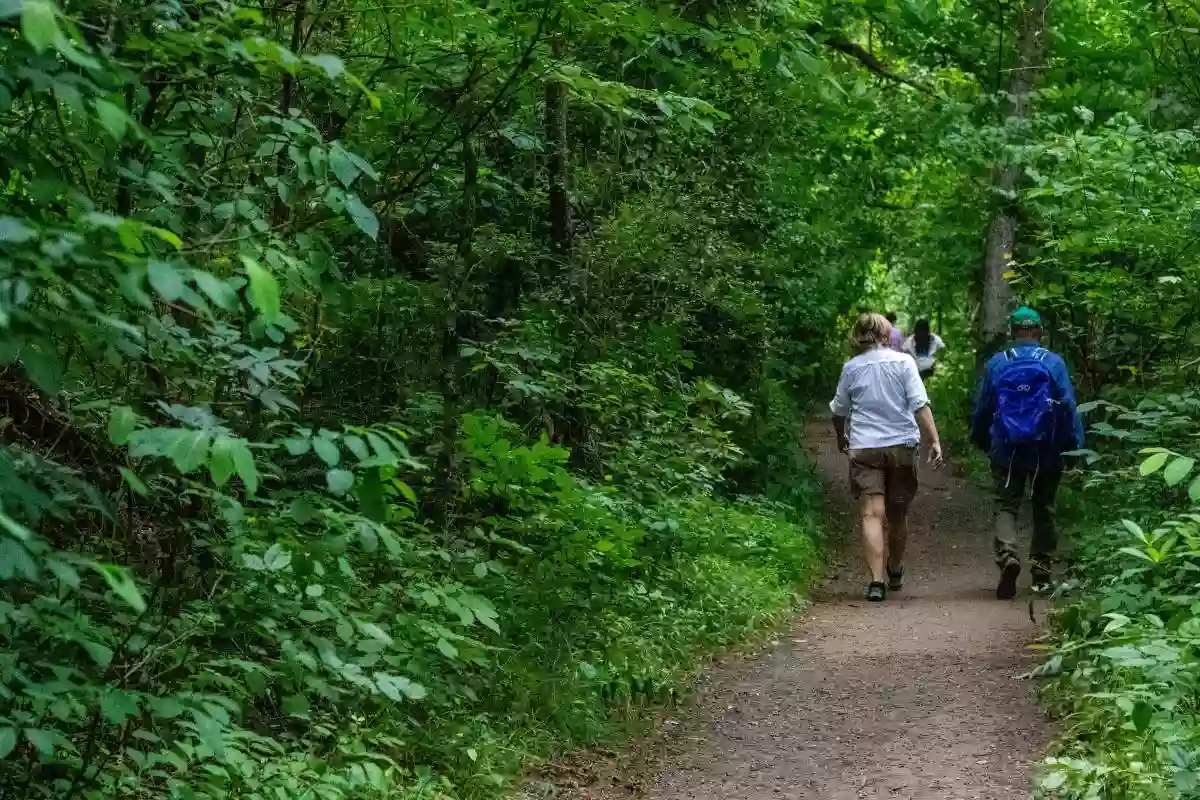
(1126, 677)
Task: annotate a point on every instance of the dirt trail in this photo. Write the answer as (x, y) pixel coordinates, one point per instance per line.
(915, 699)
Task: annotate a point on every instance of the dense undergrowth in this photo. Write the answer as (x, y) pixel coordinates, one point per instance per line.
(390, 393)
(1124, 672)
(343, 453)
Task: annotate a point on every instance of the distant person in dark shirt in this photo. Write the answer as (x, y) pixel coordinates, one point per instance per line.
(923, 345)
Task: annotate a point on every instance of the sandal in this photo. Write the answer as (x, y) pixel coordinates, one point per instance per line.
(895, 578)
(877, 591)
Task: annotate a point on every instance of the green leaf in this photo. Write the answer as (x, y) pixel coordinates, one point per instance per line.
(218, 291)
(1153, 463)
(243, 462)
(327, 449)
(447, 649)
(343, 166)
(220, 461)
(1142, 714)
(363, 217)
(189, 451)
(264, 290)
(1133, 551)
(357, 446)
(43, 367)
(370, 495)
(276, 558)
(296, 705)
(382, 450)
(1054, 780)
(375, 632)
(122, 420)
(210, 733)
(397, 688)
(1178, 469)
(15, 560)
(8, 740)
(166, 280)
(302, 511)
(44, 741)
(333, 66)
(14, 528)
(297, 446)
(1194, 490)
(116, 706)
(39, 24)
(339, 480)
(101, 654)
(164, 707)
(14, 231)
(133, 481)
(113, 118)
(121, 582)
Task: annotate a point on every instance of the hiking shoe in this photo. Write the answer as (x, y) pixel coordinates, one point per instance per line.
(1041, 577)
(1007, 588)
(877, 591)
(895, 579)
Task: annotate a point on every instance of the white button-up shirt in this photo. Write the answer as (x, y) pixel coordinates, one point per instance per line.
(880, 391)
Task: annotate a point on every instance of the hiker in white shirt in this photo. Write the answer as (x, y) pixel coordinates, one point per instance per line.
(923, 345)
(882, 396)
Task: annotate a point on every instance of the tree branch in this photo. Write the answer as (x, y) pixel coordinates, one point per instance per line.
(866, 58)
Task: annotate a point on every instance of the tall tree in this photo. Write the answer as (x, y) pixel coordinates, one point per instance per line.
(1002, 234)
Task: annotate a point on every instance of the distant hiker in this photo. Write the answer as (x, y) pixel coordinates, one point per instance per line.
(896, 337)
(923, 346)
(1025, 419)
(882, 395)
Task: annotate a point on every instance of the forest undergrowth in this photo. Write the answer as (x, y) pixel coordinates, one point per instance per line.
(394, 393)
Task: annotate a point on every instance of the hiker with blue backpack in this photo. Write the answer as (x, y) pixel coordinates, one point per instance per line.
(1025, 419)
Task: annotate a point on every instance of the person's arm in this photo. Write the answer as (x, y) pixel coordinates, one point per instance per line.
(929, 433)
(918, 404)
(839, 428)
(840, 408)
(983, 410)
(1066, 396)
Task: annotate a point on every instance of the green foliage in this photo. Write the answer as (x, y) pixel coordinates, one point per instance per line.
(328, 468)
(1123, 674)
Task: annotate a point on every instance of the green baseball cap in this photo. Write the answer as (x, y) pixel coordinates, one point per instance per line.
(1025, 317)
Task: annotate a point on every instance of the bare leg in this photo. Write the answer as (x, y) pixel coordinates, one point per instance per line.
(897, 538)
(872, 533)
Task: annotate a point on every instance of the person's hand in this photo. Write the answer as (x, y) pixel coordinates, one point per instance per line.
(843, 444)
(935, 454)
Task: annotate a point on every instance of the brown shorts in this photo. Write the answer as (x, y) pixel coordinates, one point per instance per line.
(889, 471)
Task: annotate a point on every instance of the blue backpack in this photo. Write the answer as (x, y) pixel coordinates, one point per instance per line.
(1025, 403)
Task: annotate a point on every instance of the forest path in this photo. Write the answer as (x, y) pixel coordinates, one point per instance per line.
(916, 698)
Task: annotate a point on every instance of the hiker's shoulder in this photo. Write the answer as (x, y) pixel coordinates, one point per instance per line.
(998, 359)
(1052, 358)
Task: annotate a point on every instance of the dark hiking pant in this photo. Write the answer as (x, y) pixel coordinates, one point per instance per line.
(1013, 480)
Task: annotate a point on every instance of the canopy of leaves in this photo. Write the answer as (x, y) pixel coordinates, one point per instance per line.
(383, 385)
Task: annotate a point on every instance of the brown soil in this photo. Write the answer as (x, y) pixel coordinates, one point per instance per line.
(916, 698)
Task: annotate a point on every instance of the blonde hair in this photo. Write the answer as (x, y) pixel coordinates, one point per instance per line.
(869, 330)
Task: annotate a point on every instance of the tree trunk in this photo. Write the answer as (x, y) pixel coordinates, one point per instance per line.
(1002, 234)
(449, 464)
(287, 99)
(556, 135)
